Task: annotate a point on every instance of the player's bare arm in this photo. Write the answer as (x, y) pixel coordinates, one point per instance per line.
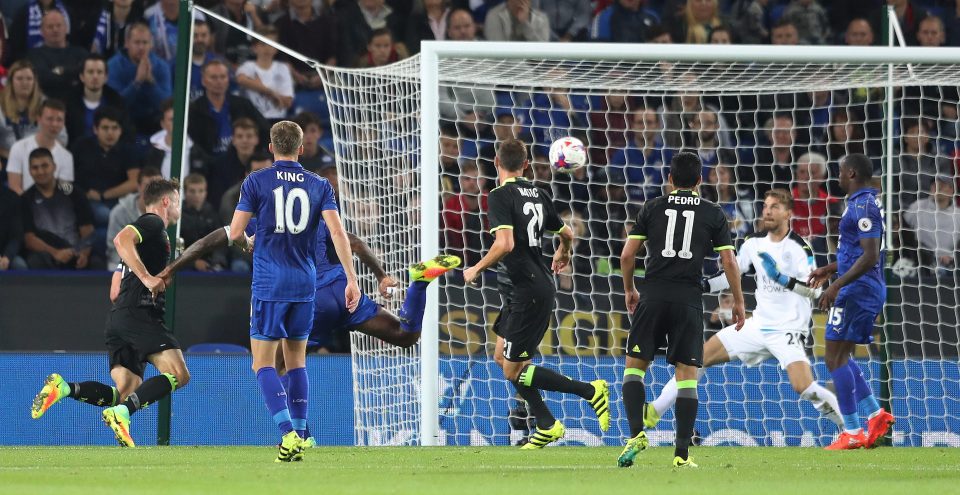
(209, 243)
(342, 244)
(732, 270)
(126, 243)
(369, 259)
(115, 285)
(628, 262)
(561, 258)
(821, 275)
(237, 229)
(502, 246)
(869, 258)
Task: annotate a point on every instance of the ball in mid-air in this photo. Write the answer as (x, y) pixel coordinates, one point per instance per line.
(567, 154)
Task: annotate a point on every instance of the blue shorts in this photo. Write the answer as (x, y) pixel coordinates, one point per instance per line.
(330, 312)
(273, 320)
(851, 319)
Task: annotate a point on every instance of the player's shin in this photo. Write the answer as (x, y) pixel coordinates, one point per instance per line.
(845, 384)
(824, 401)
(94, 393)
(298, 394)
(668, 396)
(150, 391)
(634, 396)
(686, 412)
(863, 392)
(546, 379)
(411, 314)
(275, 398)
(536, 406)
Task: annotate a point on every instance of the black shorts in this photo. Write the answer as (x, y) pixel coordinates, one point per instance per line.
(676, 325)
(133, 334)
(522, 325)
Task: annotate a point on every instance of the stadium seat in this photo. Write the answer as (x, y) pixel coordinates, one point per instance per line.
(217, 348)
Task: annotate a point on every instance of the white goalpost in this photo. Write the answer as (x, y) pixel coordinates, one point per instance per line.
(414, 143)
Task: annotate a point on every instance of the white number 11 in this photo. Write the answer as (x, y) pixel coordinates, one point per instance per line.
(685, 252)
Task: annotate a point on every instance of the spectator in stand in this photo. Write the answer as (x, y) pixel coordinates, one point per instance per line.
(909, 16)
(658, 33)
(381, 50)
(57, 64)
(784, 32)
(212, 115)
(231, 167)
(266, 82)
(845, 138)
(25, 28)
(625, 21)
(228, 203)
(811, 20)
(233, 44)
(115, 18)
(737, 203)
(449, 157)
(931, 32)
(640, 164)
(314, 33)
(462, 216)
(201, 54)
(127, 211)
(19, 106)
(162, 18)
(918, 162)
(429, 23)
(92, 95)
(314, 158)
(57, 222)
(859, 33)
(678, 115)
(358, 18)
(699, 19)
(142, 78)
(11, 231)
(705, 139)
(161, 145)
(721, 36)
(106, 167)
(753, 21)
(49, 129)
(460, 26)
(199, 219)
(609, 125)
(812, 204)
(568, 19)
(774, 163)
(935, 222)
(516, 20)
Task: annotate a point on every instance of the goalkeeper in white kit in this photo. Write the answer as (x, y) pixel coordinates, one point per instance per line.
(780, 324)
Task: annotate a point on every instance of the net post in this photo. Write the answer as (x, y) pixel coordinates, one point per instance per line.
(180, 107)
(429, 238)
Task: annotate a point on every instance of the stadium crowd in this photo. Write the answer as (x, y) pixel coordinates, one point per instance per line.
(86, 118)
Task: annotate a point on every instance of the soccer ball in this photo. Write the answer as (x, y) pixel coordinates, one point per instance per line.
(567, 154)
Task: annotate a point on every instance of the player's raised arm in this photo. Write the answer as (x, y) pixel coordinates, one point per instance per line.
(369, 259)
(866, 261)
(210, 242)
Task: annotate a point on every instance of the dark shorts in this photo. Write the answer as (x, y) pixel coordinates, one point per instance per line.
(676, 325)
(275, 320)
(132, 334)
(522, 324)
(330, 314)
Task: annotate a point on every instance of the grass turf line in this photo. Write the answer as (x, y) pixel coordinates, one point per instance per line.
(481, 470)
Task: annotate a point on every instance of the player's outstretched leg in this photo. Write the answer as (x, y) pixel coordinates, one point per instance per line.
(428, 271)
(634, 397)
(596, 392)
(653, 411)
(548, 429)
(879, 421)
(152, 390)
(421, 274)
(56, 388)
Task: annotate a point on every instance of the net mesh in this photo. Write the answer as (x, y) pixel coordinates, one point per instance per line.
(755, 126)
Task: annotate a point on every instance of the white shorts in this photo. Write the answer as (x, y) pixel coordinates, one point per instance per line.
(752, 346)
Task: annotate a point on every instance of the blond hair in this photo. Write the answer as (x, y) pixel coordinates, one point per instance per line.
(697, 32)
(8, 101)
(286, 138)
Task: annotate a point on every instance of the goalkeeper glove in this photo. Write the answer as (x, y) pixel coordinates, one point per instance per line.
(770, 267)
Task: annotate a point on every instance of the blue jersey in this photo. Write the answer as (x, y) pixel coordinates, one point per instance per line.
(863, 218)
(328, 264)
(288, 202)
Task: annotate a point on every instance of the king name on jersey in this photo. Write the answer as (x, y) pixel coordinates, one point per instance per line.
(289, 176)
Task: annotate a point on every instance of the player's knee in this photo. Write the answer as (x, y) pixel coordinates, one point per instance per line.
(183, 377)
(408, 339)
(498, 358)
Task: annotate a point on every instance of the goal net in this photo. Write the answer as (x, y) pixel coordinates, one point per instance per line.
(759, 119)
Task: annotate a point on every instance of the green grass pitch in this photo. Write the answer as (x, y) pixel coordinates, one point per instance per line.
(485, 470)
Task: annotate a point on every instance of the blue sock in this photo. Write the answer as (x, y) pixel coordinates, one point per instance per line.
(298, 394)
(275, 397)
(411, 315)
(845, 386)
(864, 393)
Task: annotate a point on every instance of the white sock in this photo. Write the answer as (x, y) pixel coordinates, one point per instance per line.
(668, 396)
(824, 401)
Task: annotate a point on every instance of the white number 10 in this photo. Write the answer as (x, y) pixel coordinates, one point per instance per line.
(685, 252)
(283, 209)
